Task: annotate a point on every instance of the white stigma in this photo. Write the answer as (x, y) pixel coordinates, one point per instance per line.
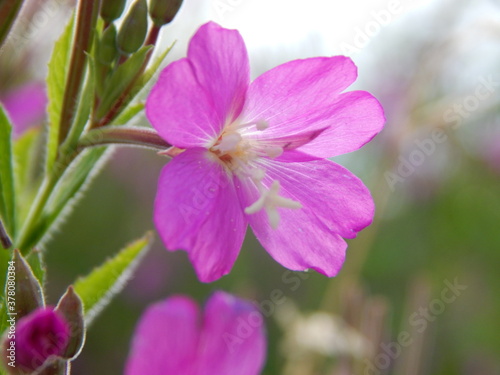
(270, 200)
(241, 151)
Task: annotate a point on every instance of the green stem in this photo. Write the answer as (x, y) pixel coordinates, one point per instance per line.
(86, 19)
(9, 10)
(134, 136)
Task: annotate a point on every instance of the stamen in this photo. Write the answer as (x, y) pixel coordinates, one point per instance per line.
(258, 174)
(273, 151)
(259, 124)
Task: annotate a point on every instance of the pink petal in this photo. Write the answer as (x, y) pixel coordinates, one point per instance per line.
(220, 61)
(165, 339)
(197, 210)
(290, 94)
(233, 339)
(179, 108)
(305, 95)
(335, 204)
(195, 96)
(355, 118)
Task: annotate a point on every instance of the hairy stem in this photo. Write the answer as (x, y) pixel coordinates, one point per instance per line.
(154, 31)
(86, 18)
(134, 136)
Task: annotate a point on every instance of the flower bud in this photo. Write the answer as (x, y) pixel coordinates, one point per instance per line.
(39, 335)
(106, 51)
(134, 28)
(112, 9)
(164, 11)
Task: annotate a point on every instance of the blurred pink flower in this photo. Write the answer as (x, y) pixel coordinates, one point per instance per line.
(26, 106)
(170, 339)
(255, 154)
(491, 152)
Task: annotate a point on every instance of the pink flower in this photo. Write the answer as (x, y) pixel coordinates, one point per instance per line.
(26, 106)
(255, 154)
(170, 339)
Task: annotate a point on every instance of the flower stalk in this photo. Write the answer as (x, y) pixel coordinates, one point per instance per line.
(134, 136)
(86, 18)
(153, 33)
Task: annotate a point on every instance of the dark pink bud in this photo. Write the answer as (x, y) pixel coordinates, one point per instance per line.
(39, 335)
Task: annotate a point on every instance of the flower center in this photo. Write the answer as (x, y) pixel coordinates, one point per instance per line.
(242, 153)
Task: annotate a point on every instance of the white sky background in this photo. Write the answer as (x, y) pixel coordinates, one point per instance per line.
(276, 31)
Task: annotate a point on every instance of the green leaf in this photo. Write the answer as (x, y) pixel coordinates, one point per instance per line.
(150, 72)
(56, 82)
(25, 163)
(69, 189)
(97, 289)
(121, 80)
(131, 110)
(7, 191)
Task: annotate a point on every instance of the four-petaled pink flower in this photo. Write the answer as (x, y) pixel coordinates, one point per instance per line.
(255, 153)
(171, 339)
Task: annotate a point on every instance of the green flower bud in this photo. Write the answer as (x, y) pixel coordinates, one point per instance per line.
(164, 11)
(106, 51)
(134, 28)
(112, 9)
